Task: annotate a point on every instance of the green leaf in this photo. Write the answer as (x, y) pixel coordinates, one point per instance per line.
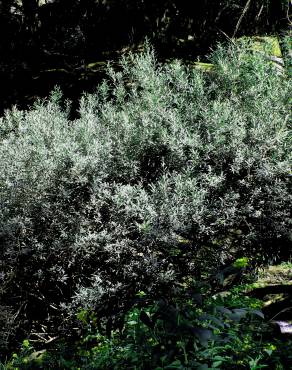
(257, 313)
(217, 363)
(175, 365)
(203, 335)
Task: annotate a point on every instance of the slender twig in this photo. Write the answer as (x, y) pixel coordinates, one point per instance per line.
(241, 17)
(277, 314)
(260, 12)
(287, 13)
(228, 37)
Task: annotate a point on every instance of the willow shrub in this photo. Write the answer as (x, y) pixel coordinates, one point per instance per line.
(166, 173)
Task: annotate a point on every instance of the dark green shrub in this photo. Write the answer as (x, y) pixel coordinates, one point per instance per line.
(167, 172)
(166, 336)
(196, 333)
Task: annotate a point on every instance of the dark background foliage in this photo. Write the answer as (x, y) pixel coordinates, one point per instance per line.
(61, 36)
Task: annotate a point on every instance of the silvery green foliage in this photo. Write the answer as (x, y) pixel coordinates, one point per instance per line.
(163, 161)
(7, 328)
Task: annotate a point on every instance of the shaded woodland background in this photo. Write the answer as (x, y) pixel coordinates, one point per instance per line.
(44, 43)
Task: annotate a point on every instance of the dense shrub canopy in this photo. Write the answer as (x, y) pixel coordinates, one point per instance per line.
(166, 172)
